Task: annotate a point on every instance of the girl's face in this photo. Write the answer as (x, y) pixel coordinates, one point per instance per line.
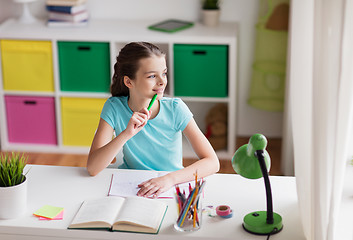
(151, 78)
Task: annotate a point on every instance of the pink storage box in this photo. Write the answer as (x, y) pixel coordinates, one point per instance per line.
(31, 119)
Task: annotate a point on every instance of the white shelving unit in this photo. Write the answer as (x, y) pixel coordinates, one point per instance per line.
(117, 33)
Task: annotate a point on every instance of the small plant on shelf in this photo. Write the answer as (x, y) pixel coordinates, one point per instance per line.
(11, 169)
(210, 4)
(210, 13)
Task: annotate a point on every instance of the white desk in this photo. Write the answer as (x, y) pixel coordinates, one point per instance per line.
(68, 186)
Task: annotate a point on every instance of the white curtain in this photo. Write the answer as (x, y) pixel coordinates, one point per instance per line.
(321, 104)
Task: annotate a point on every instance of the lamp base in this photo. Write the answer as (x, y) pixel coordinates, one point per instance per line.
(255, 223)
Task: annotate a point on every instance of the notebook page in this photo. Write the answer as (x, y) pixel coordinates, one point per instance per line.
(100, 209)
(142, 211)
(125, 183)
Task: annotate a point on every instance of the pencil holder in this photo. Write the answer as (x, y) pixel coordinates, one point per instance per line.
(189, 209)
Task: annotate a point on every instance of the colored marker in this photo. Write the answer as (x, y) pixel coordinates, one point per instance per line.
(151, 102)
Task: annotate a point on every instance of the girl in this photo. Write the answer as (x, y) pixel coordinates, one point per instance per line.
(152, 139)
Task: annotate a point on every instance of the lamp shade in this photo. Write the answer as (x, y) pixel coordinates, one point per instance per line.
(245, 162)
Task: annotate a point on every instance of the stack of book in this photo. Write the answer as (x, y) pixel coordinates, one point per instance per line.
(67, 12)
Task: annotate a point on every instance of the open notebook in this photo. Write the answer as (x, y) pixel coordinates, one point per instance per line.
(124, 183)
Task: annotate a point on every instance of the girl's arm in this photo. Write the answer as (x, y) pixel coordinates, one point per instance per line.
(207, 165)
(104, 149)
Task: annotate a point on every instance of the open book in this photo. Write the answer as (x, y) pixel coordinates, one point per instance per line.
(132, 214)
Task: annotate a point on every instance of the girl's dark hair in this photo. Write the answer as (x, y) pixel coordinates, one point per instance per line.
(127, 64)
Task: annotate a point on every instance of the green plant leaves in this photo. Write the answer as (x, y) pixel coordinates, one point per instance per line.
(210, 4)
(11, 169)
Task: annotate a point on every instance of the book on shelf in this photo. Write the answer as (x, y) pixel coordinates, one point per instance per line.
(67, 9)
(56, 23)
(131, 214)
(77, 17)
(64, 2)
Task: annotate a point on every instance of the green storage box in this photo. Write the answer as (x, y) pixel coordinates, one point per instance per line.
(201, 70)
(84, 66)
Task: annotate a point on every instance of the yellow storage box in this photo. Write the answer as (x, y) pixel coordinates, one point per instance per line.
(27, 65)
(80, 118)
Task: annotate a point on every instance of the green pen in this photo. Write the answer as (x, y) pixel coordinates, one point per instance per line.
(151, 102)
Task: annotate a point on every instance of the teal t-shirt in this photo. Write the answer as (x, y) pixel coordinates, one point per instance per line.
(158, 146)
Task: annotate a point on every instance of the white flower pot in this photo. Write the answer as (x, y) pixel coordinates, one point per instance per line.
(13, 201)
(210, 18)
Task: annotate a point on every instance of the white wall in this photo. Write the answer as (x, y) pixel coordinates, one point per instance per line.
(250, 120)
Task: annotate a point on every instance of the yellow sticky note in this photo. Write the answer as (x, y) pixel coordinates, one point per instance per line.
(48, 211)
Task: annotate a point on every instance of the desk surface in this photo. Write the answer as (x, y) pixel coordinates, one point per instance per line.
(68, 186)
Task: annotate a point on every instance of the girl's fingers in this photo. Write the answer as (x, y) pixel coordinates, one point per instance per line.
(151, 188)
(151, 191)
(157, 193)
(139, 119)
(143, 183)
(144, 189)
(143, 116)
(145, 111)
(148, 188)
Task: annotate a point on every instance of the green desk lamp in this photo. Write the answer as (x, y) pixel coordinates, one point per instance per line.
(253, 161)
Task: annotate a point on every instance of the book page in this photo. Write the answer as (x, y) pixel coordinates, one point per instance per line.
(94, 212)
(140, 212)
(125, 183)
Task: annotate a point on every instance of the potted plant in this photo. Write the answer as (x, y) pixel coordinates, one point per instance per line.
(13, 185)
(210, 12)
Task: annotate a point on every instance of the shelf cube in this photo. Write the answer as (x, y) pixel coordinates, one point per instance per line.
(80, 118)
(27, 65)
(31, 119)
(201, 70)
(84, 66)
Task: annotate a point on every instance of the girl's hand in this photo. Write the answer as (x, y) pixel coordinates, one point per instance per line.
(155, 186)
(137, 121)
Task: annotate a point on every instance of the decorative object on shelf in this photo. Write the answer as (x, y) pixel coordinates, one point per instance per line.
(26, 16)
(216, 124)
(171, 25)
(68, 13)
(253, 161)
(210, 13)
(13, 185)
(269, 68)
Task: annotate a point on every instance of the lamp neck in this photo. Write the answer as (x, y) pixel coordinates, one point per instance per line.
(260, 156)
